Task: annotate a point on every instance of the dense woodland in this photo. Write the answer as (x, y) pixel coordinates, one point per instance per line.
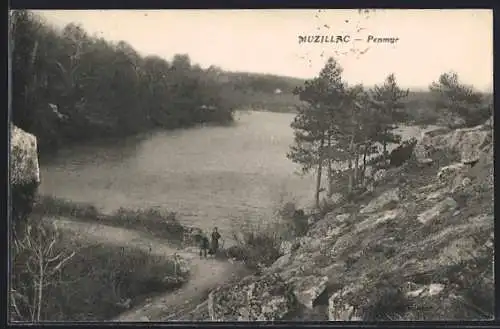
(342, 123)
(68, 86)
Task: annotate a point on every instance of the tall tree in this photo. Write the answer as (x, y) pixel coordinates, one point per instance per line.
(459, 100)
(387, 101)
(312, 124)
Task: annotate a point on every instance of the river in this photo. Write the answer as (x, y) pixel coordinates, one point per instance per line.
(211, 176)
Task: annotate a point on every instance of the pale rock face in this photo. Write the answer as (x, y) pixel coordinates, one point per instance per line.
(378, 219)
(307, 289)
(468, 142)
(263, 298)
(286, 247)
(447, 173)
(432, 289)
(425, 143)
(24, 167)
(383, 200)
(460, 182)
(339, 309)
(430, 214)
(280, 262)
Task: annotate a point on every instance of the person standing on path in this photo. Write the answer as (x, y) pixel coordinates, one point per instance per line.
(204, 245)
(215, 241)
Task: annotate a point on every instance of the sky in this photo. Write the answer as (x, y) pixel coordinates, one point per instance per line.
(430, 42)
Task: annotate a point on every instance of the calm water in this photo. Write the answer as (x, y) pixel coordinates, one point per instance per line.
(209, 175)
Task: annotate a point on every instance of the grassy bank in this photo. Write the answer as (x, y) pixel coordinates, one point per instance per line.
(95, 282)
(151, 221)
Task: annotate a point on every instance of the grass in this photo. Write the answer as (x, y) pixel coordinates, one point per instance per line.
(152, 221)
(96, 284)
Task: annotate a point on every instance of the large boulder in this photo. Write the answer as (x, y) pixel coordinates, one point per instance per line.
(24, 168)
(263, 298)
(24, 172)
(308, 289)
(468, 143)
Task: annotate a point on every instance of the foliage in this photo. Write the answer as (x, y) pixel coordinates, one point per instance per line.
(386, 100)
(460, 100)
(36, 265)
(93, 282)
(152, 221)
(313, 129)
(258, 243)
(68, 86)
(343, 124)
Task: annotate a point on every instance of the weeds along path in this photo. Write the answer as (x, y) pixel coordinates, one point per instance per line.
(206, 274)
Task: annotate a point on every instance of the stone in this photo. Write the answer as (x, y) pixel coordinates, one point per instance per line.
(386, 198)
(286, 247)
(378, 219)
(307, 289)
(435, 289)
(467, 142)
(339, 309)
(264, 298)
(24, 167)
(430, 214)
(448, 173)
(280, 262)
(24, 174)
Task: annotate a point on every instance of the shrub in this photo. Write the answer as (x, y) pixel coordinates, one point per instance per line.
(402, 153)
(97, 282)
(258, 244)
(385, 302)
(48, 205)
(152, 221)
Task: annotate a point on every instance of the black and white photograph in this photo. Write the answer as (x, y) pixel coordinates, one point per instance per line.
(250, 165)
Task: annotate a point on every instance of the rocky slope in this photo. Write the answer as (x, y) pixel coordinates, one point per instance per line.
(419, 246)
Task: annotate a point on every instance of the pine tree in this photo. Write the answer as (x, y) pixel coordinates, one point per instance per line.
(387, 101)
(313, 122)
(460, 100)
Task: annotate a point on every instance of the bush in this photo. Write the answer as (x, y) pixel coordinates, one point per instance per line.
(402, 153)
(258, 244)
(48, 205)
(385, 302)
(152, 221)
(84, 282)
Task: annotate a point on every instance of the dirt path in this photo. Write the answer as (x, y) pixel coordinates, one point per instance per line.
(206, 274)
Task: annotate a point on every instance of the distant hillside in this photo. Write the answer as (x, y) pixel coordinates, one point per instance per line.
(274, 93)
(260, 91)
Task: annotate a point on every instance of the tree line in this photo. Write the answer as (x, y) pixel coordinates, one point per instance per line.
(69, 86)
(340, 123)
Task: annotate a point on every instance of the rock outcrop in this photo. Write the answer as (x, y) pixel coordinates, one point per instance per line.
(467, 143)
(253, 299)
(412, 252)
(24, 172)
